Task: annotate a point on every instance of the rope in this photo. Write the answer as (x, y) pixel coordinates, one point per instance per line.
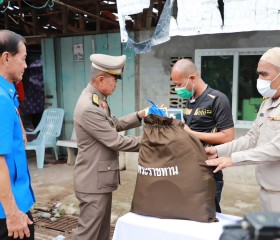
(50, 5)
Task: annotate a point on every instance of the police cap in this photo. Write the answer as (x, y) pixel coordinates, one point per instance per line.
(110, 64)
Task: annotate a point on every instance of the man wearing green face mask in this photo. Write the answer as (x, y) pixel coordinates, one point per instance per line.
(207, 113)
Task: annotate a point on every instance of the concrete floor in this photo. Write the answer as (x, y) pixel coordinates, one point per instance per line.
(54, 183)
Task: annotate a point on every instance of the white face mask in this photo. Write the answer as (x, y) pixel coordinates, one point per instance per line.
(264, 88)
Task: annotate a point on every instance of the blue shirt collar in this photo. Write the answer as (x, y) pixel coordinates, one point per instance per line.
(8, 87)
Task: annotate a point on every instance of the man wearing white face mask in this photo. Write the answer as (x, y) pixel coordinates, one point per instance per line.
(207, 113)
(264, 86)
(261, 145)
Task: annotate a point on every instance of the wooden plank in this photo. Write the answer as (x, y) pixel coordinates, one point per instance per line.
(6, 19)
(49, 71)
(69, 89)
(59, 86)
(101, 43)
(75, 9)
(129, 84)
(116, 99)
(89, 42)
(65, 15)
(35, 21)
(129, 80)
(81, 22)
(79, 67)
(59, 83)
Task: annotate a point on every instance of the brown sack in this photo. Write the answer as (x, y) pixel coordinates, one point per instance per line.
(173, 180)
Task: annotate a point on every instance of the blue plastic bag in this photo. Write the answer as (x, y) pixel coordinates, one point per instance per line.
(156, 110)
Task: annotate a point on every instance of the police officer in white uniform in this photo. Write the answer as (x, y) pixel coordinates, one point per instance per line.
(261, 145)
(96, 171)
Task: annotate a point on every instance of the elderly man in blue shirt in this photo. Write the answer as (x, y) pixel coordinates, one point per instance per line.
(16, 195)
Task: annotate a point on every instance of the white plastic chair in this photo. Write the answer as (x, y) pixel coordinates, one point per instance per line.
(49, 129)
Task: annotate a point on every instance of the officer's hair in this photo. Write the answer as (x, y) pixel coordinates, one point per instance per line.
(95, 73)
(9, 42)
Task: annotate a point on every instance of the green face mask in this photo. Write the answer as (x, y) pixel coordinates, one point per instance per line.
(183, 92)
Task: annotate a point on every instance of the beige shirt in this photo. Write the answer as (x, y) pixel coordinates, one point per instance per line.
(261, 146)
(96, 168)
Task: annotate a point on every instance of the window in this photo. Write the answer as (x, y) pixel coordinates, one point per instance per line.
(233, 72)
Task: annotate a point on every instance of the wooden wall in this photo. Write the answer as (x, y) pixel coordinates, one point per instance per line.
(65, 78)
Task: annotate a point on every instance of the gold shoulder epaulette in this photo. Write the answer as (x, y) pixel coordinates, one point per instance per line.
(264, 98)
(95, 99)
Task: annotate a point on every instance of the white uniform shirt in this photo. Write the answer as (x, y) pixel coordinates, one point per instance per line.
(261, 146)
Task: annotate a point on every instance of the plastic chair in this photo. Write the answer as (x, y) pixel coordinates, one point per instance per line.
(49, 129)
(71, 147)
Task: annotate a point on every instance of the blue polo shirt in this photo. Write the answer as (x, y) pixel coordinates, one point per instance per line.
(12, 147)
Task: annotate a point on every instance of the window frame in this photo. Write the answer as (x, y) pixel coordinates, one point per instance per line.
(235, 52)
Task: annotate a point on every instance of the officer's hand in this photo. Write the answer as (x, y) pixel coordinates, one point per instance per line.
(221, 163)
(211, 152)
(143, 113)
(17, 224)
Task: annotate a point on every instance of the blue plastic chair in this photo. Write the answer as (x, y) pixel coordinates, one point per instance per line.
(49, 129)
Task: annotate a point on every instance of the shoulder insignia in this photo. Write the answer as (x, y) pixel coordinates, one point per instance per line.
(211, 96)
(187, 111)
(264, 98)
(95, 100)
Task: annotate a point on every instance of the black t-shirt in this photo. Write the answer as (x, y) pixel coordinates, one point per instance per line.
(213, 114)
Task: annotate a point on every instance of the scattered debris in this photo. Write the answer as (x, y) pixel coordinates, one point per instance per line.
(43, 209)
(59, 237)
(45, 215)
(53, 219)
(52, 213)
(57, 205)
